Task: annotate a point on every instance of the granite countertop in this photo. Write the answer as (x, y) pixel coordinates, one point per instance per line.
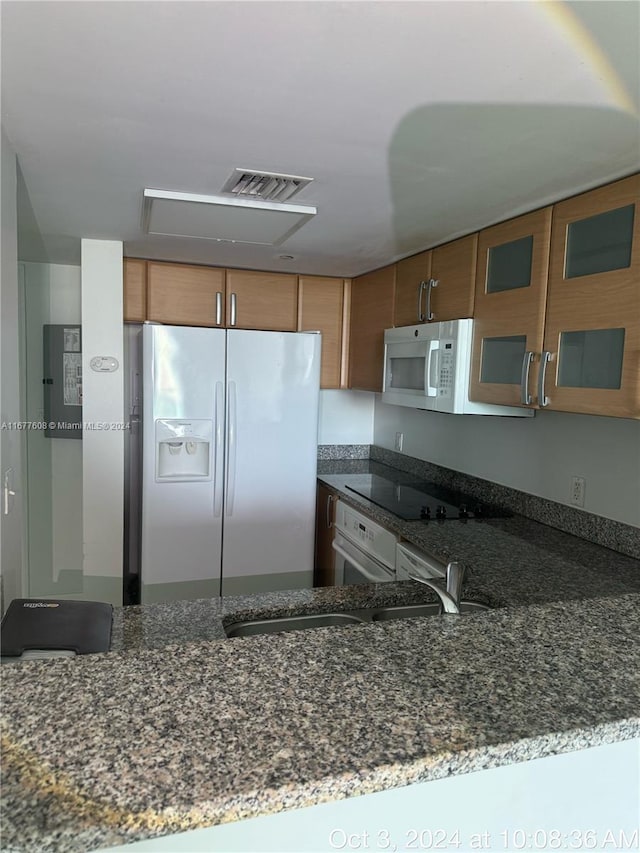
(509, 561)
(179, 728)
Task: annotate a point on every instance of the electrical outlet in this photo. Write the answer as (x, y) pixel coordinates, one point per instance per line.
(399, 441)
(578, 486)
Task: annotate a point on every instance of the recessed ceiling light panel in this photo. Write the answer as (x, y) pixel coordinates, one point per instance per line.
(222, 218)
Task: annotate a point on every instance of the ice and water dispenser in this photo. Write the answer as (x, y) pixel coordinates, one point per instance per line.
(183, 450)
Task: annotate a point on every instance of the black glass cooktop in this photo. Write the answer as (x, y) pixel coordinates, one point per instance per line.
(421, 500)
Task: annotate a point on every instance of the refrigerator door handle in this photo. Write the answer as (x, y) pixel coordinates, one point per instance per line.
(218, 479)
(231, 447)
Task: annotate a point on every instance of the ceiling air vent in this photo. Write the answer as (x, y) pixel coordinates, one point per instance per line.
(269, 186)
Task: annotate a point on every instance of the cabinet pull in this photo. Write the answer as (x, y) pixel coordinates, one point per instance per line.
(329, 502)
(545, 358)
(218, 308)
(421, 288)
(525, 397)
(433, 282)
(232, 320)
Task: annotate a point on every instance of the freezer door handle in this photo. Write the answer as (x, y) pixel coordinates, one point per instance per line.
(218, 479)
(231, 447)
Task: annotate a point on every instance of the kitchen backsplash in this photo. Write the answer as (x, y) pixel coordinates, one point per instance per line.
(344, 451)
(602, 531)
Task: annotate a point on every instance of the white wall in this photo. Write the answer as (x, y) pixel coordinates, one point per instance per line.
(346, 417)
(11, 440)
(51, 294)
(103, 404)
(537, 455)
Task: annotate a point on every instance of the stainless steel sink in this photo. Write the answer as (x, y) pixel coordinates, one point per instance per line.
(354, 617)
(411, 610)
(290, 623)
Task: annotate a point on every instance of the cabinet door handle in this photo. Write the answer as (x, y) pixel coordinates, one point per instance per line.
(525, 397)
(329, 502)
(545, 358)
(232, 320)
(421, 288)
(433, 282)
(218, 308)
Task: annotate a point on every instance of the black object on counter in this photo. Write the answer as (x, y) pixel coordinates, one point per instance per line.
(49, 624)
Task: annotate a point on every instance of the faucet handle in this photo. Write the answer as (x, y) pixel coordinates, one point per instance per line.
(455, 577)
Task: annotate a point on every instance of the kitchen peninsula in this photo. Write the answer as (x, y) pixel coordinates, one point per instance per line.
(179, 728)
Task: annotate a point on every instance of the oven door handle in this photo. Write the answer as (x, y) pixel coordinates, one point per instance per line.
(338, 549)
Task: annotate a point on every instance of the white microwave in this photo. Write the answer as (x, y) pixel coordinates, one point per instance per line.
(428, 367)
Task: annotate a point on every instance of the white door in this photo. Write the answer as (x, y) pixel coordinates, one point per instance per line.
(273, 382)
(183, 431)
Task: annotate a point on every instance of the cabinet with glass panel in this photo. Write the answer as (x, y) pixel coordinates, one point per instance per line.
(511, 290)
(557, 310)
(591, 356)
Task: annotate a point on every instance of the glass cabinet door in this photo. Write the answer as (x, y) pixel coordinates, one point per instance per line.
(511, 288)
(592, 331)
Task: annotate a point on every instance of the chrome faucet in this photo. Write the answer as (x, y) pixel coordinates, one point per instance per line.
(449, 597)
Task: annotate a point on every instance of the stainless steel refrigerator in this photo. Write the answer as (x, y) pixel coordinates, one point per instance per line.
(229, 461)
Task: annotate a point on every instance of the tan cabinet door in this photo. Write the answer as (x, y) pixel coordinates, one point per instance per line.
(372, 302)
(592, 330)
(511, 290)
(321, 308)
(262, 300)
(134, 297)
(411, 275)
(453, 267)
(324, 569)
(185, 295)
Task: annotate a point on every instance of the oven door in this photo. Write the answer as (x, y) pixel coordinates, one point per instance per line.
(353, 566)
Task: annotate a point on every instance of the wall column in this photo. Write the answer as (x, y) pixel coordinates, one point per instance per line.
(103, 415)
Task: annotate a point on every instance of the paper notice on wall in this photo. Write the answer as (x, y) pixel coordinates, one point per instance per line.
(72, 376)
(72, 339)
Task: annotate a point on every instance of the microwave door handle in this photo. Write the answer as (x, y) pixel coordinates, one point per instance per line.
(431, 390)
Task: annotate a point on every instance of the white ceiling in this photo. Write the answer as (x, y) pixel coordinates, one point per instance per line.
(419, 121)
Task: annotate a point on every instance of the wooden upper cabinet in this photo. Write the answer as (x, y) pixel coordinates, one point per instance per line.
(592, 330)
(262, 300)
(453, 267)
(134, 297)
(185, 295)
(411, 275)
(372, 303)
(511, 290)
(321, 308)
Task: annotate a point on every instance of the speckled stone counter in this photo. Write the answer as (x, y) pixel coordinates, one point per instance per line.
(112, 748)
(179, 728)
(509, 561)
